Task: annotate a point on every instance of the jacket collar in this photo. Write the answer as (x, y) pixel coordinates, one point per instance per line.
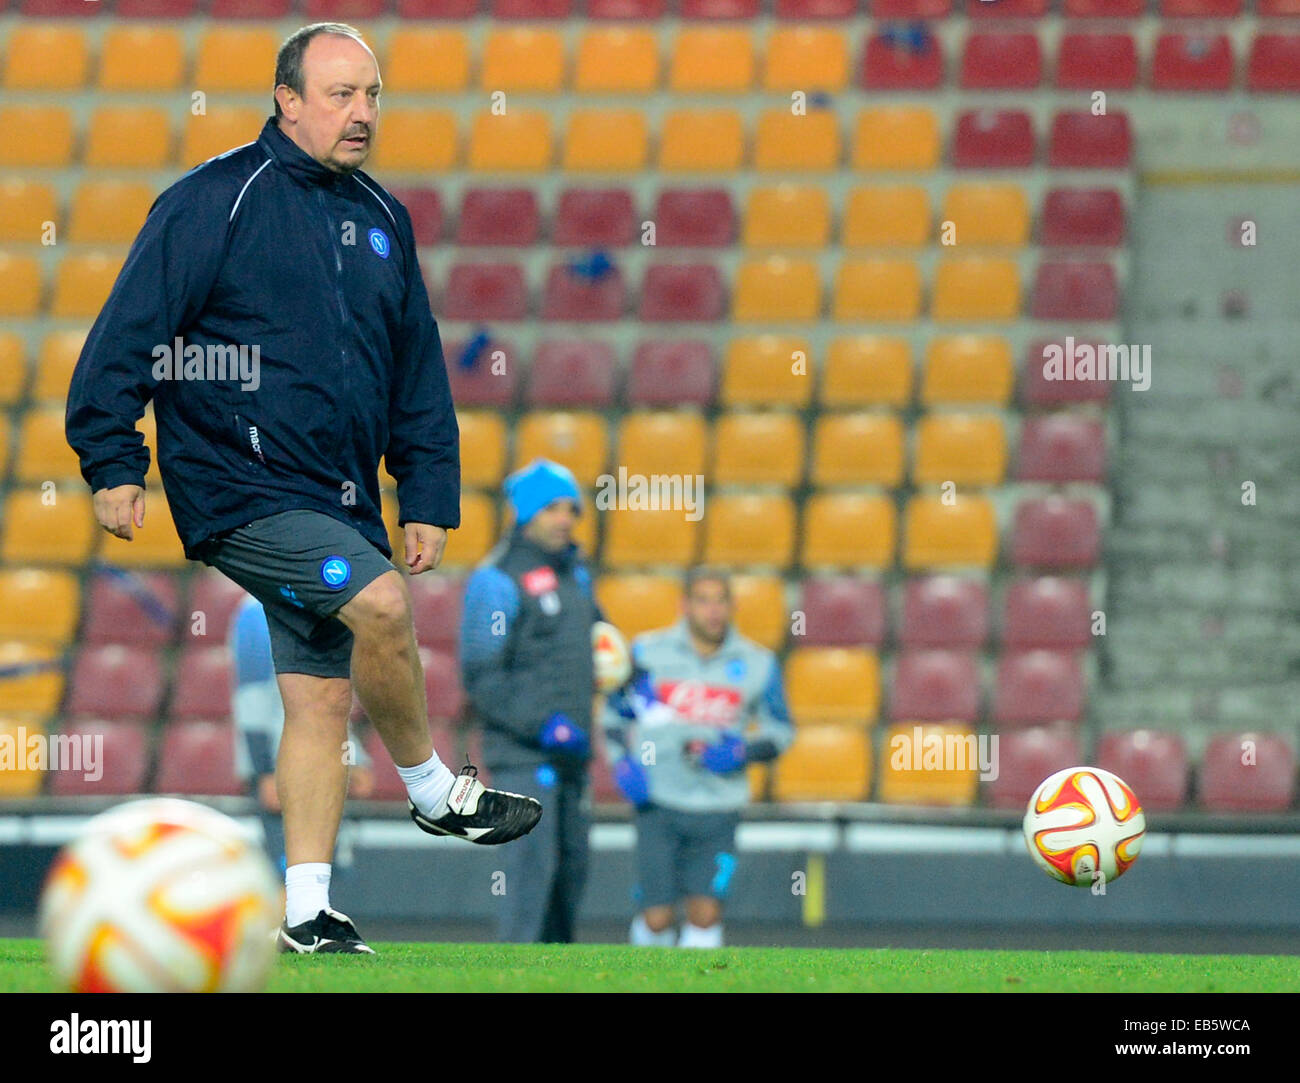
(560, 561)
(295, 161)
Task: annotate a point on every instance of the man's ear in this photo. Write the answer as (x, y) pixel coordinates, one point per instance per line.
(288, 101)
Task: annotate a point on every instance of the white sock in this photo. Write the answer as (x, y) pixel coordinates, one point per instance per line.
(642, 936)
(693, 936)
(429, 785)
(306, 891)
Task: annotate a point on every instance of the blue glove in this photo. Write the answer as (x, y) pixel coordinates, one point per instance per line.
(725, 756)
(637, 694)
(632, 782)
(564, 735)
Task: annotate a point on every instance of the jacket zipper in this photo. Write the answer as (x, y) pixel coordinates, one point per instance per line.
(336, 248)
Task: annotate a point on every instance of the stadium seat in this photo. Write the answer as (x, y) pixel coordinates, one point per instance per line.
(1201, 9)
(1061, 448)
(141, 58)
(639, 603)
(13, 383)
(595, 218)
(1274, 9)
(156, 544)
(760, 611)
(993, 139)
(824, 763)
(607, 141)
(701, 217)
(907, 772)
(815, 9)
(787, 216)
(31, 679)
(935, 686)
(940, 535)
(43, 451)
(965, 449)
(807, 58)
(198, 758)
(647, 539)
(155, 9)
(127, 137)
(896, 216)
(47, 135)
(428, 60)
(1105, 9)
(750, 530)
(574, 439)
(250, 9)
(973, 289)
(1048, 612)
(1080, 140)
(123, 763)
(797, 142)
(1006, 9)
(841, 611)
(896, 138)
(944, 612)
(968, 369)
(1192, 62)
(1001, 62)
(61, 532)
(46, 57)
(1025, 758)
(616, 60)
(531, 9)
(134, 609)
(1037, 686)
(1154, 765)
(857, 448)
(776, 288)
(867, 370)
(1037, 390)
(1076, 291)
(877, 290)
(205, 618)
(22, 278)
(992, 214)
(445, 695)
(833, 686)
(910, 9)
(902, 62)
(848, 531)
(640, 10)
(1274, 64)
(483, 372)
(482, 448)
(498, 216)
(38, 607)
(711, 60)
(524, 59)
(671, 374)
(766, 370)
(116, 682)
(763, 448)
(202, 685)
(701, 141)
(232, 58)
(1055, 532)
(572, 373)
(351, 11)
(224, 128)
(485, 291)
(22, 778)
(470, 542)
(1247, 772)
(106, 212)
(54, 366)
(25, 207)
(435, 610)
(1085, 217)
(686, 292)
(425, 207)
(1097, 62)
(416, 141)
(573, 293)
(518, 140)
(82, 283)
(438, 9)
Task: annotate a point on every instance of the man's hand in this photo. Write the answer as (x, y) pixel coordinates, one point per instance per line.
(119, 507)
(424, 546)
(724, 756)
(630, 777)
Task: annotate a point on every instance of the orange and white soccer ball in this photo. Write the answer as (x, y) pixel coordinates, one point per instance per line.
(613, 661)
(1084, 825)
(161, 895)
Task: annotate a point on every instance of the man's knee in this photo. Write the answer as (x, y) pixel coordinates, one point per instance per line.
(315, 700)
(383, 606)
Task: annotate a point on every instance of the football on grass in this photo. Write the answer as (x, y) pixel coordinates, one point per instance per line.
(1084, 826)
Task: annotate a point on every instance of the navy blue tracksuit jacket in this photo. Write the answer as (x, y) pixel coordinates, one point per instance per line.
(265, 247)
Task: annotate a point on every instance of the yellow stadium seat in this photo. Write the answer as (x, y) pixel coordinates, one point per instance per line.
(848, 530)
(749, 530)
(639, 603)
(44, 526)
(83, 282)
(13, 380)
(4, 444)
(141, 58)
(824, 763)
(482, 448)
(758, 449)
(806, 58)
(128, 136)
(995, 214)
(877, 289)
(858, 449)
(787, 215)
(701, 141)
(617, 60)
(662, 442)
(39, 606)
(902, 137)
(471, 541)
(767, 370)
(963, 533)
(928, 763)
(518, 140)
(833, 686)
(711, 59)
(25, 208)
(777, 289)
(54, 365)
(46, 56)
(107, 212)
(760, 609)
(43, 451)
(976, 289)
(424, 60)
(790, 142)
(155, 545)
(867, 370)
(965, 449)
(416, 140)
(148, 426)
(757, 776)
(232, 57)
(647, 539)
(522, 58)
(895, 216)
(968, 369)
(22, 278)
(36, 692)
(25, 780)
(607, 140)
(221, 129)
(46, 135)
(576, 440)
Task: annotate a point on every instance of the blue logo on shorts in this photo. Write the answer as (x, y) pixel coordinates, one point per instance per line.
(379, 242)
(335, 572)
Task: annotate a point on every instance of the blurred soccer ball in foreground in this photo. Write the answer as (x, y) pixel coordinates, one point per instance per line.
(161, 895)
(613, 662)
(1082, 821)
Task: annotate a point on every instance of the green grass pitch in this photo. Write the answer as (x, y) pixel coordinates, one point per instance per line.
(615, 968)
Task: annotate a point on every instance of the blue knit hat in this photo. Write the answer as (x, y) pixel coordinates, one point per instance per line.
(538, 484)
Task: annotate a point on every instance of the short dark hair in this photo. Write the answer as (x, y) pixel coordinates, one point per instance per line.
(288, 61)
(705, 573)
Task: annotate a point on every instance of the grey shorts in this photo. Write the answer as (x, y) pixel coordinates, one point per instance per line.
(683, 854)
(303, 566)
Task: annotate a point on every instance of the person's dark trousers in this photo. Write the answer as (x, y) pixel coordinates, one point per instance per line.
(546, 870)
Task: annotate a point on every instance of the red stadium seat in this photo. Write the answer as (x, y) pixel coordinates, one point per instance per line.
(1153, 764)
(1247, 772)
(946, 612)
(202, 685)
(1025, 758)
(155, 9)
(215, 597)
(134, 608)
(122, 684)
(1006, 9)
(492, 378)
(388, 783)
(1038, 686)
(1185, 62)
(486, 291)
(909, 63)
(1075, 291)
(935, 686)
(719, 9)
(993, 139)
(198, 758)
(499, 216)
(1049, 612)
(595, 218)
(437, 9)
(1061, 448)
(531, 9)
(1055, 532)
(816, 9)
(1200, 9)
(704, 217)
(574, 294)
(1105, 9)
(1274, 63)
(58, 9)
(442, 686)
(251, 9)
(640, 10)
(572, 372)
(425, 208)
(342, 10)
(845, 611)
(910, 9)
(435, 609)
(1083, 141)
(1277, 9)
(672, 374)
(1001, 61)
(1097, 62)
(123, 760)
(1086, 217)
(1037, 390)
(693, 291)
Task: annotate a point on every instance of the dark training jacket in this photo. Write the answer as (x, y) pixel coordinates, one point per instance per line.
(315, 275)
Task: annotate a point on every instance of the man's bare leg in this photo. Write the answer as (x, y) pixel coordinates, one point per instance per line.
(311, 775)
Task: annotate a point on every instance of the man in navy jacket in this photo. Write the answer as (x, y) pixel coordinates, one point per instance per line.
(272, 308)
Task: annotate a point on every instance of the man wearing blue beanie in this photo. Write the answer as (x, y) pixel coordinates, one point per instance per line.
(526, 663)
